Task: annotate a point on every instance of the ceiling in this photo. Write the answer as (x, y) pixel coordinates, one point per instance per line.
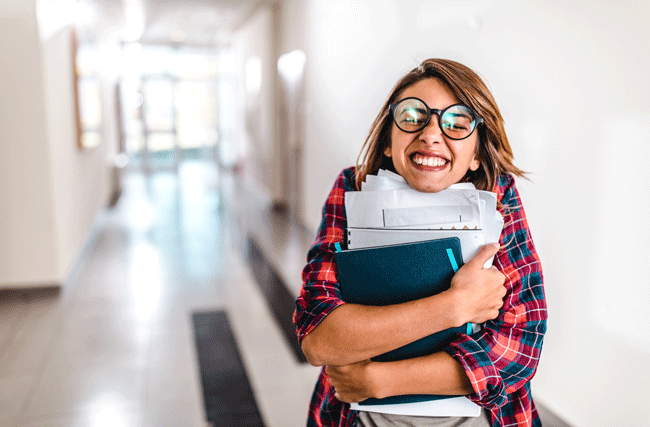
(177, 22)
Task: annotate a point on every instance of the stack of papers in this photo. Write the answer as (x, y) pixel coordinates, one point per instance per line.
(388, 211)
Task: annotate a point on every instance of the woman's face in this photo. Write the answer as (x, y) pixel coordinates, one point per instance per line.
(413, 153)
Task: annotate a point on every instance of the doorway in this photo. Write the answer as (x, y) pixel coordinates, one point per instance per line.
(169, 106)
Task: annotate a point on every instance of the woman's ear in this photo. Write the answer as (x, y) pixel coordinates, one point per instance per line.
(474, 164)
(387, 151)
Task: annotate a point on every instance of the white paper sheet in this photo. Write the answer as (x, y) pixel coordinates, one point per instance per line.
(452, 407)
(386, 201)
(366, 209)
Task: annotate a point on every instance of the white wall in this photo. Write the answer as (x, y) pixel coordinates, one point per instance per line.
(50, 191)
(27, 236)
(80, 179)
(256, 132)
(571, 80)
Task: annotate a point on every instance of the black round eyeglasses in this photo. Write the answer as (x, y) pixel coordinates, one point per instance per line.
(457, 121)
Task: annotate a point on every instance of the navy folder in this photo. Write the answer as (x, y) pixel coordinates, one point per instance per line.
(399, 273)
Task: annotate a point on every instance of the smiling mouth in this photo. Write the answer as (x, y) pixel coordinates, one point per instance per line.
(431, 161)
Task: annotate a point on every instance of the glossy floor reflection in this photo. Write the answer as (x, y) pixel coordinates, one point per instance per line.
(116, 347)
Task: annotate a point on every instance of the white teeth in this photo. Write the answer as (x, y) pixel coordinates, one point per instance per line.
(429, 161)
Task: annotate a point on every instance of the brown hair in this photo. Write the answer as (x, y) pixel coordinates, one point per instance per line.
(493, 151)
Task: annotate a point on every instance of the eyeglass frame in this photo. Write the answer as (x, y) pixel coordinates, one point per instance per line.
(431, 112)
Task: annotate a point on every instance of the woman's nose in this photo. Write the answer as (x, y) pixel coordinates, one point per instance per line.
(432, 133)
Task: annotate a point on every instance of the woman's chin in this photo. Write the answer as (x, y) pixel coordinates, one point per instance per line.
(426, 187)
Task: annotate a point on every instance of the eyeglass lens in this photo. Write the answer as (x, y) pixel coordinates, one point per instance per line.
(456, 121)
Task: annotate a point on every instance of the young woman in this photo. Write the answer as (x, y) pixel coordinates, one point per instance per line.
(431, 150)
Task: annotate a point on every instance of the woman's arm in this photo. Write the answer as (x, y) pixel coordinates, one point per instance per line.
(502, 358)
(353, 332)
(437, 373)
(356, 332)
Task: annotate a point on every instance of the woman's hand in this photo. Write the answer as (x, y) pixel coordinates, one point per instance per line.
(478, 291)
(355, 382)
(437, 373)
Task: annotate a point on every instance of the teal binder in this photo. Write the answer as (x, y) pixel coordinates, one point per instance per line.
(399, 273)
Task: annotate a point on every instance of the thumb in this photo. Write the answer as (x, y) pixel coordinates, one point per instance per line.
(483, 255)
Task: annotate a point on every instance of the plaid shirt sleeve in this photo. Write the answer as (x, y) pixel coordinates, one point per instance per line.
(320, 293)
(501, 359)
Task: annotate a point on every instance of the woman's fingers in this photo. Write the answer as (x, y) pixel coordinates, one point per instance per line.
(483, 255)
(350, 382)
(480, 290)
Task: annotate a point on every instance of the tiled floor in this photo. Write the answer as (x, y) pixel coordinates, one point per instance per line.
(116, 347)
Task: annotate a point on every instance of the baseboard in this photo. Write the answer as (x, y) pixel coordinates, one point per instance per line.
(29, 292)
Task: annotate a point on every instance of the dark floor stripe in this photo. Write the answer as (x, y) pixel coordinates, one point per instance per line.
(282, 303)
(227, 395)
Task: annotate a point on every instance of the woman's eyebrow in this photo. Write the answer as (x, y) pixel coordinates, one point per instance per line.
(416, 109)
(460, 115)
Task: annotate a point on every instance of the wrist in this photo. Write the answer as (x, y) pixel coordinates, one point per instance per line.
(385, 386)
(453, 311)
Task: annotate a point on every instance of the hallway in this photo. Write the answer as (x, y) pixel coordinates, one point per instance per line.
(116, 347)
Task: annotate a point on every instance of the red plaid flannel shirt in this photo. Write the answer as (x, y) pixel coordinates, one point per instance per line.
(500, 360)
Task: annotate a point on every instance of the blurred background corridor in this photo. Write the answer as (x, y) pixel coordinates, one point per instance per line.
(164, 164)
